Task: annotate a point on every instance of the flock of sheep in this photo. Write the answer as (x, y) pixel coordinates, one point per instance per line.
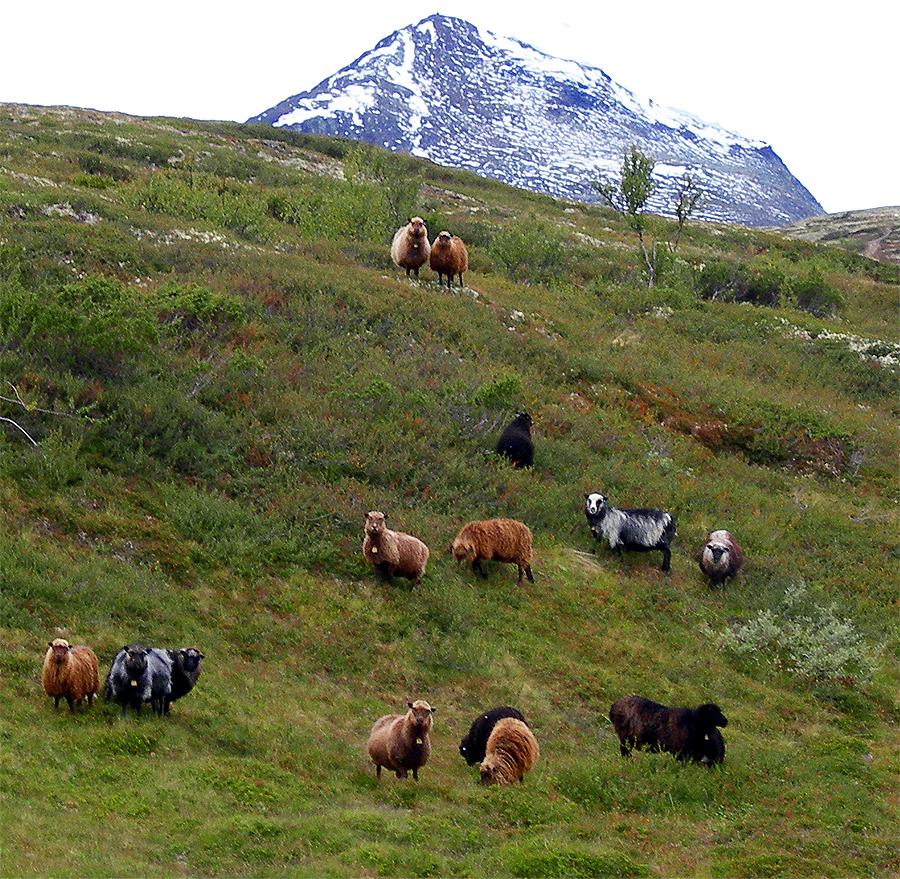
(499, 740)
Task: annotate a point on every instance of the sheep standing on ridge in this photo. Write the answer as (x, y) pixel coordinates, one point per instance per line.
(472, 748)
(449, 257)
(512, 750)
(721, 558)
(515, 442)
(688, 733)
(70, 673)
(641, 529)
(393, 552)
(401, 742)
(500, 540)
(410, 248)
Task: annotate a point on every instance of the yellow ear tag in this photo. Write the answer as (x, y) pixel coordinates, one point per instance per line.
(374, 550)
(134, 683)
(418, 741)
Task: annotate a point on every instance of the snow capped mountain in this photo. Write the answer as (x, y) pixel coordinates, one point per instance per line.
(464, 97)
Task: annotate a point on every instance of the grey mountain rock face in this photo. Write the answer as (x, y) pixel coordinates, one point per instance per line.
(464, 97)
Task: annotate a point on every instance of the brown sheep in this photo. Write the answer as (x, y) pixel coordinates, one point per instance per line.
(449, 257)
(501, 540)
(400, 742)
(393, 552)
(70, 673)
(512, 750)
(410, 248)
(721, 557)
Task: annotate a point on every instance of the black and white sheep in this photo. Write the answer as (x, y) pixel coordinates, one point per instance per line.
(639, 529)
(472, 747)
(721, 557)
(139, 674)
(688, 733)
(515, 443)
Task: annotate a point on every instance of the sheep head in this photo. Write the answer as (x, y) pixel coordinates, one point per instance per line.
(375, 523)
(60, 648)
(595, 504)
(135, 662)
(464, 550)
(416, 228)
(420, 718)
(188, 658)
(710, 715)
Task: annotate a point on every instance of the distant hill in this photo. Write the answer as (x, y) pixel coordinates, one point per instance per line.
(874, 233)
(464, 97)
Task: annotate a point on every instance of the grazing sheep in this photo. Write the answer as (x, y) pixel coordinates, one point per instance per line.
(721, 558)
(410, 248)
(642, 530)
(185, 664)
(393, 552)
(472, 747)
(688, 733)
(400, 742)
(515, 442)
(512, 750)
(449, 257)
(70, 672)
(500, 540)
(139, 674)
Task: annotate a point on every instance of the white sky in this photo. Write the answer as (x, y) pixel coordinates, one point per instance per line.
(818, 81)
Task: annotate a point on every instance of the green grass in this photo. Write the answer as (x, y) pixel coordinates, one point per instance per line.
(242, 374)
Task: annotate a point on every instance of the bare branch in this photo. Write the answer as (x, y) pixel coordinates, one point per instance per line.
(19, 427)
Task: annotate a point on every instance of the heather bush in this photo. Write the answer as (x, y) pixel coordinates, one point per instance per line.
(530, 250)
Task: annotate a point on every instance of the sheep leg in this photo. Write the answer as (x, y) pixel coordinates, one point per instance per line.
(56, 703)
(667, 556)
(415, 774)
(476, 567)
(417, 273)
(378, 771)
(461, 285)
(90, 699)
(529, 574)
(71, 703)
(449, 282)
(521, 574)
(407, 273)
(624, 750)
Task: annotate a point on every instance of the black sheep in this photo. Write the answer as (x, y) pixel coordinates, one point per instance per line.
(185, 672)
(515, 442)
(474, 746)
(138, 674)
(688, 733)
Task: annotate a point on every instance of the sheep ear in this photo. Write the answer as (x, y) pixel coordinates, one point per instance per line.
(433, 709)
(49, 643)
(409, 703)
(408, 220)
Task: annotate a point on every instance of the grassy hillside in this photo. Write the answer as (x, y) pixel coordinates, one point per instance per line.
(201, 329)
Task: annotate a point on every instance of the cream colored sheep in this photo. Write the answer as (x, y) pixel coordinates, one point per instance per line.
(393, 552)
(512, 750)
(410, 248)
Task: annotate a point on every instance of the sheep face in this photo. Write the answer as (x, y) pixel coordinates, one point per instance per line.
(464, 550)
(135, 663)
(417, 232)
(523, 419)
(710, 716)
(420, 714)
(595, 504)
(375, 525)
(487, 773)
(444, 238)
(60, 648)
(189, 658)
